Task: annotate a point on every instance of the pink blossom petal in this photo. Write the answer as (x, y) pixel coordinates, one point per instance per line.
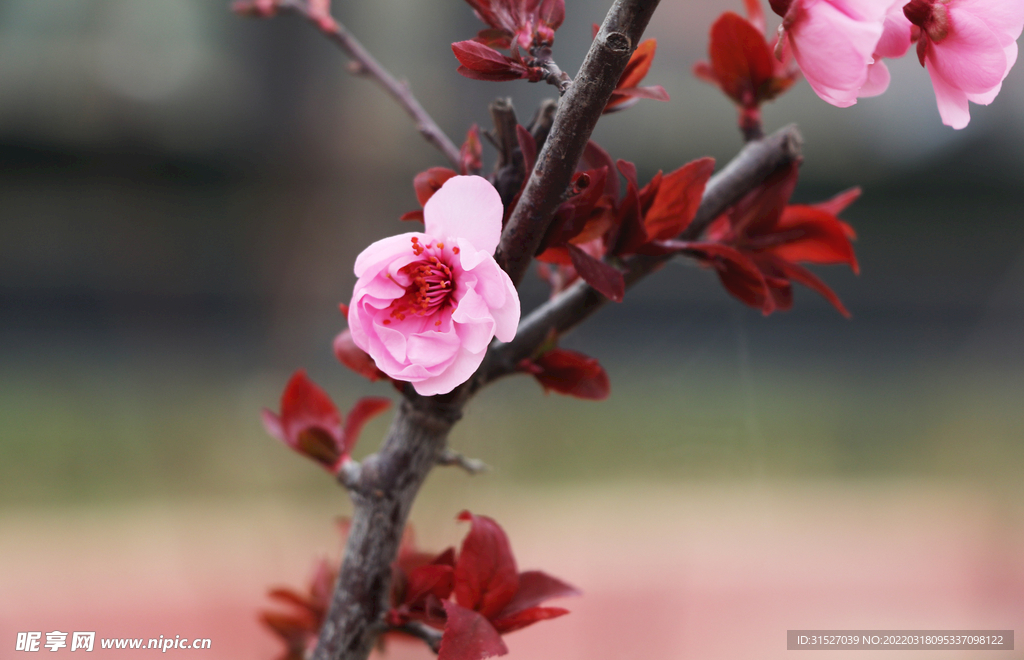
(1004, 17)
(877, 82)
(383, 251)
(501, 296)
(970, 58)
(432, 347)
(457, 373)
(465, 207)
(834, 51)
(473, 322)
(952, 102)
(896, 33)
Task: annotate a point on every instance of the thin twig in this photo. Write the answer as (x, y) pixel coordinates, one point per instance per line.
(752, 165)
(450, 457)
(364, 64)
(419, 630)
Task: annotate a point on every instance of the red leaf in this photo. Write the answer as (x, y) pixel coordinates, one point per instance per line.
(594, 158)
(632, 233)
(814, 236)
(575, 214)
(535, 587)
(759, 211)
(740, 58)
(427, 183)
(755, 14)
(365, 409)
(484, 63)
(485, 576)
(471, 154)
(838, 204)
(581, 376)
(356, 358)
(412, 215)
(529, 148)
(436, 579)
(494, 38)
(468, 636)
(524, 618)
(552, 13)
(738, 273)
(639, 64)
(309, 422)
(677, 199)
(803, 276)
(654, 92)
(604, 277)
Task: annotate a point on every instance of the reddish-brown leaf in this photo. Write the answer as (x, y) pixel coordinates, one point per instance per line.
(535, 587)
(485, 575)
(639, 64)
(529, 148)
(740, 58)
(604, 277)
(484, 63)
(309, 422)
(468, 636)
(738, 273)
(429, 182)
(677, 199)
(355, 358)
(436, 579)
(759, 211)
(808, 234)
(838, 204)
(631, 231)
(365, 409)
(594, 158)
(581, 376)
(803, 276)
(471, 154)
(528, 617)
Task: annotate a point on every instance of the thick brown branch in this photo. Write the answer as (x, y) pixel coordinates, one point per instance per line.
(365, 64)
(578, 112)
(752, 165)
(388, 483)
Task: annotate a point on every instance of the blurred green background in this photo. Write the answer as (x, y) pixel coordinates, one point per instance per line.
(184, 192)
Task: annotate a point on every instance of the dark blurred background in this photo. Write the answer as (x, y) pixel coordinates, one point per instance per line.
(184, 192)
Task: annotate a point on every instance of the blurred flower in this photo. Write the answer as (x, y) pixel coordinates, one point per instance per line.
(968, 47)
(427, 304)
(833, 42)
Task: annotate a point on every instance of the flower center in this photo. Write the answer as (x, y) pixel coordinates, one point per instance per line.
(432, 283)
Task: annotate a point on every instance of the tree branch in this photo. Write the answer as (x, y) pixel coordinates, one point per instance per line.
(388, 483)
(421, 631)
(453, 458)
(364, 64)
(750, 167)
(580, 108)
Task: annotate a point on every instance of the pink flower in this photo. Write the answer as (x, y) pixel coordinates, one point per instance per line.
(426, 305)
(897, 35)
(833, 42)
(968, 47)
